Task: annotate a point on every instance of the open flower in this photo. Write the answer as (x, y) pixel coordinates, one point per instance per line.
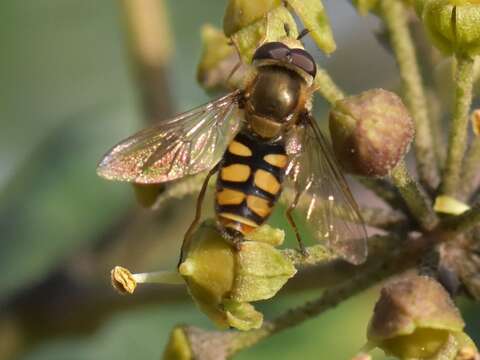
(221, 279)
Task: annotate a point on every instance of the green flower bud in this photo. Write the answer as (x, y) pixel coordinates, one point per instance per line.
(414, 318)
(315, 19)
(251, 23)
(178, 347)
(241, 13)
(217, 62)
(453, 25)
(371, 132)
(268, 28)
(223, 280)
(209, 271)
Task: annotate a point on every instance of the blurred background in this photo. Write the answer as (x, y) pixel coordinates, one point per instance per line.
(72, 85)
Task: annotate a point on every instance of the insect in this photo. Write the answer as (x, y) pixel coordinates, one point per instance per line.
(261, 140)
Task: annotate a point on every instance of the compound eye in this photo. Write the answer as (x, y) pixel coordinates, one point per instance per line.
(304, 61)
(271, 50)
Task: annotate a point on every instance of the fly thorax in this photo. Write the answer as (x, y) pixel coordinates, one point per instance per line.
(275, 93)
(273, 100)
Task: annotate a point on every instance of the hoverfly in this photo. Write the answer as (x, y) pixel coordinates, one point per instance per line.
(260, 140)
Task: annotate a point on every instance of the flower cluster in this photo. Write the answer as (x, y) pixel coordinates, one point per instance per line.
(371, 132)
(222, 279)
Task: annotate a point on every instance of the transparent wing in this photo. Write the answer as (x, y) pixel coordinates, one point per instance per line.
(185, 145)
(324, 196)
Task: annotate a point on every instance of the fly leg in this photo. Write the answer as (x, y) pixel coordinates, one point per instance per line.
(237, 242)
(291, 220)
(198, 213)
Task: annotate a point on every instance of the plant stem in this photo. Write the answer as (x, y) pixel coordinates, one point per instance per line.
(417, 201)
(325, 85)
(435, 111)
(151, 47)
(395, 17)
(471, 168)
(384, 219)
(385, 191)
(458, 131)
(463, 222)
(316, 254)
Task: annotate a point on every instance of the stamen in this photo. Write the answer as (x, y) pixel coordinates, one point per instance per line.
(125, 282)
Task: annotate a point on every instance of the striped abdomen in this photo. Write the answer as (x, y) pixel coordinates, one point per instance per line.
(249, 182)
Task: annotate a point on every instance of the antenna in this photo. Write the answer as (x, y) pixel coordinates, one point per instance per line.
(302, 33)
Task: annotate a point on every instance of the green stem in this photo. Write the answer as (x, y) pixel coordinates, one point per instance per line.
(439, 139)
(458, 131)
(417, 201)
(395, 17)
(384, 219)
(471, 167)
(316, 254)
(464, 222)
(325, 85)
(385, 191)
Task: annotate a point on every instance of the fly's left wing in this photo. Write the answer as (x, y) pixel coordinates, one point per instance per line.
(324, 196)
(184, 145)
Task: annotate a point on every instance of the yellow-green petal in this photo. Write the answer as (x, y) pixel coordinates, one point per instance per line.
(269, 28)
(315, 19)
(241, 13)
(242, 316)
(267, 234)
(261, 270)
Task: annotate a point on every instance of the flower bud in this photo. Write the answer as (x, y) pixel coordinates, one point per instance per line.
(209, 271)
(314, 17)
(371, 132)
(217, 67)
(416, 318)
(268, 28)
(223, 280)
(178, 347)
(241, 13)
(453, 25)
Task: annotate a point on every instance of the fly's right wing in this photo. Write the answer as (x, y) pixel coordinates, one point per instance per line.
(324, 198)
(184, 145)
